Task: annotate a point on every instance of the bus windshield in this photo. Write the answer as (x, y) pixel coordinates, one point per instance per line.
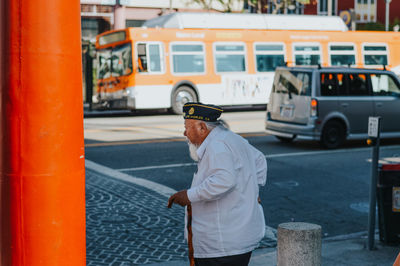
(114, 62)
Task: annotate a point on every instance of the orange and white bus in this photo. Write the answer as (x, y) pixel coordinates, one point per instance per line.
(161, 67)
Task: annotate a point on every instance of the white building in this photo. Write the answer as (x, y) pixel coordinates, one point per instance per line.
(101, 15)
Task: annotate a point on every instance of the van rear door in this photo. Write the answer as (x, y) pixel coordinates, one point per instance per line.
(291, 96)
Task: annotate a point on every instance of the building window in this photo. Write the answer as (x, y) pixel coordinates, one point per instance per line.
(307, 53)
(342, 54)
(323, 7)
(188, 58)
(90, 28)
(365, 10)
(375, 54)
(134, 23)
(269, 56)
(230, 57)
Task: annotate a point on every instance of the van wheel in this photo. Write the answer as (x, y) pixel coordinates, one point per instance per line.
(285, 139)
(181, 96)
(333, 135)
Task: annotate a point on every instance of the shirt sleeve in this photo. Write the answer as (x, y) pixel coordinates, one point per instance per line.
(261, 167)
(220, 177)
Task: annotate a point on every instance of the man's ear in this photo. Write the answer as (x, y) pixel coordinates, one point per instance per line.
(203, 127)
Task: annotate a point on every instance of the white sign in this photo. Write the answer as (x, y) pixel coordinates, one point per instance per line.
(373, 126)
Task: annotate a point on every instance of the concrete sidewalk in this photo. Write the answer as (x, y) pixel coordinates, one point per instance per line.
(347, 251)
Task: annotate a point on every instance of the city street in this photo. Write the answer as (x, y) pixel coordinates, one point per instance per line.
(305, 183)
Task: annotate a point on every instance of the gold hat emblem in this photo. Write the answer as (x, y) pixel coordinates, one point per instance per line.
(191, 111)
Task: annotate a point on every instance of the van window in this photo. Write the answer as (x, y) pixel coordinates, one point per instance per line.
(375, 54)
(341, 83)
(269, 56)
(187, 58)
(357, 85)
(329, 84)
(293, 82)
(342, 54)
(230, 57)
(307, 54)
(384, 85)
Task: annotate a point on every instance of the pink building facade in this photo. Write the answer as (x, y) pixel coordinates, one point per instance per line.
(366, 11)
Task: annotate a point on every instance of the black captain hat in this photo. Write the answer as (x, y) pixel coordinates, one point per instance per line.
(201, 111)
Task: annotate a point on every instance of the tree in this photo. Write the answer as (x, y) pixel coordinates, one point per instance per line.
(273, 6)
(256, 6)
(253, 6)
(227, 5)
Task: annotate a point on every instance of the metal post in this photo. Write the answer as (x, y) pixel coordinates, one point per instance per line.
(89, 76)
(329, 8)
(42, 149)
(372, 191)
(387, 15)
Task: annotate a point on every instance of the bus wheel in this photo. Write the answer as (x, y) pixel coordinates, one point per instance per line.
(333, 135)
(181, 96)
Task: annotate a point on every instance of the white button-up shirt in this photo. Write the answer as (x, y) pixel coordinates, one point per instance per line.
(226, 216)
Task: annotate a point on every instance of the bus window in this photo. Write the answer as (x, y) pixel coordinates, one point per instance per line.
(155, 58)
(121, 60)
(269, 56)
(103, 61)
(149, 57)
(375, 54)
(187, 58)
(142, 57)
(307, 54)
(342, 54)
(230, 57)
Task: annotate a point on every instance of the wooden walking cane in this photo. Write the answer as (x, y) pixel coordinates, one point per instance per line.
(190, 235)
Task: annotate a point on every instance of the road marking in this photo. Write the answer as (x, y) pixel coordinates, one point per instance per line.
(266, 156)
(162, 140)
(163, 190)
(119, 143)
(387, 160)
(327, 152)
(155, 167)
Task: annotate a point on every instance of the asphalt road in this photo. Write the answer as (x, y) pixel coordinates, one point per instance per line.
(305, 183)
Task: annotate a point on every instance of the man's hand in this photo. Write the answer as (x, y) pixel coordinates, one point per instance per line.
(180, 198)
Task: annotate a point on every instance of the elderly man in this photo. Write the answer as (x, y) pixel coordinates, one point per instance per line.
(227, 221)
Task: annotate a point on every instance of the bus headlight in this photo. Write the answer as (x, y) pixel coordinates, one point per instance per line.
(130, 92)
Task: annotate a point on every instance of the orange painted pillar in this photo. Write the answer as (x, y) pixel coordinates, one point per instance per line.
(42, 149)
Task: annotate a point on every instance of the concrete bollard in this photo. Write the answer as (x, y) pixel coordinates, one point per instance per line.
(299, 244)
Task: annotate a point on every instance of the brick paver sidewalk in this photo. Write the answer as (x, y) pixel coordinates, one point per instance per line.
(127, 224)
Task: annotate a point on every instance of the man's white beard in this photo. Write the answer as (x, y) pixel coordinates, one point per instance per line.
(193, 151)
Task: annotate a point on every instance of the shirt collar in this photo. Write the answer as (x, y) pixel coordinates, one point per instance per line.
(203, 146)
